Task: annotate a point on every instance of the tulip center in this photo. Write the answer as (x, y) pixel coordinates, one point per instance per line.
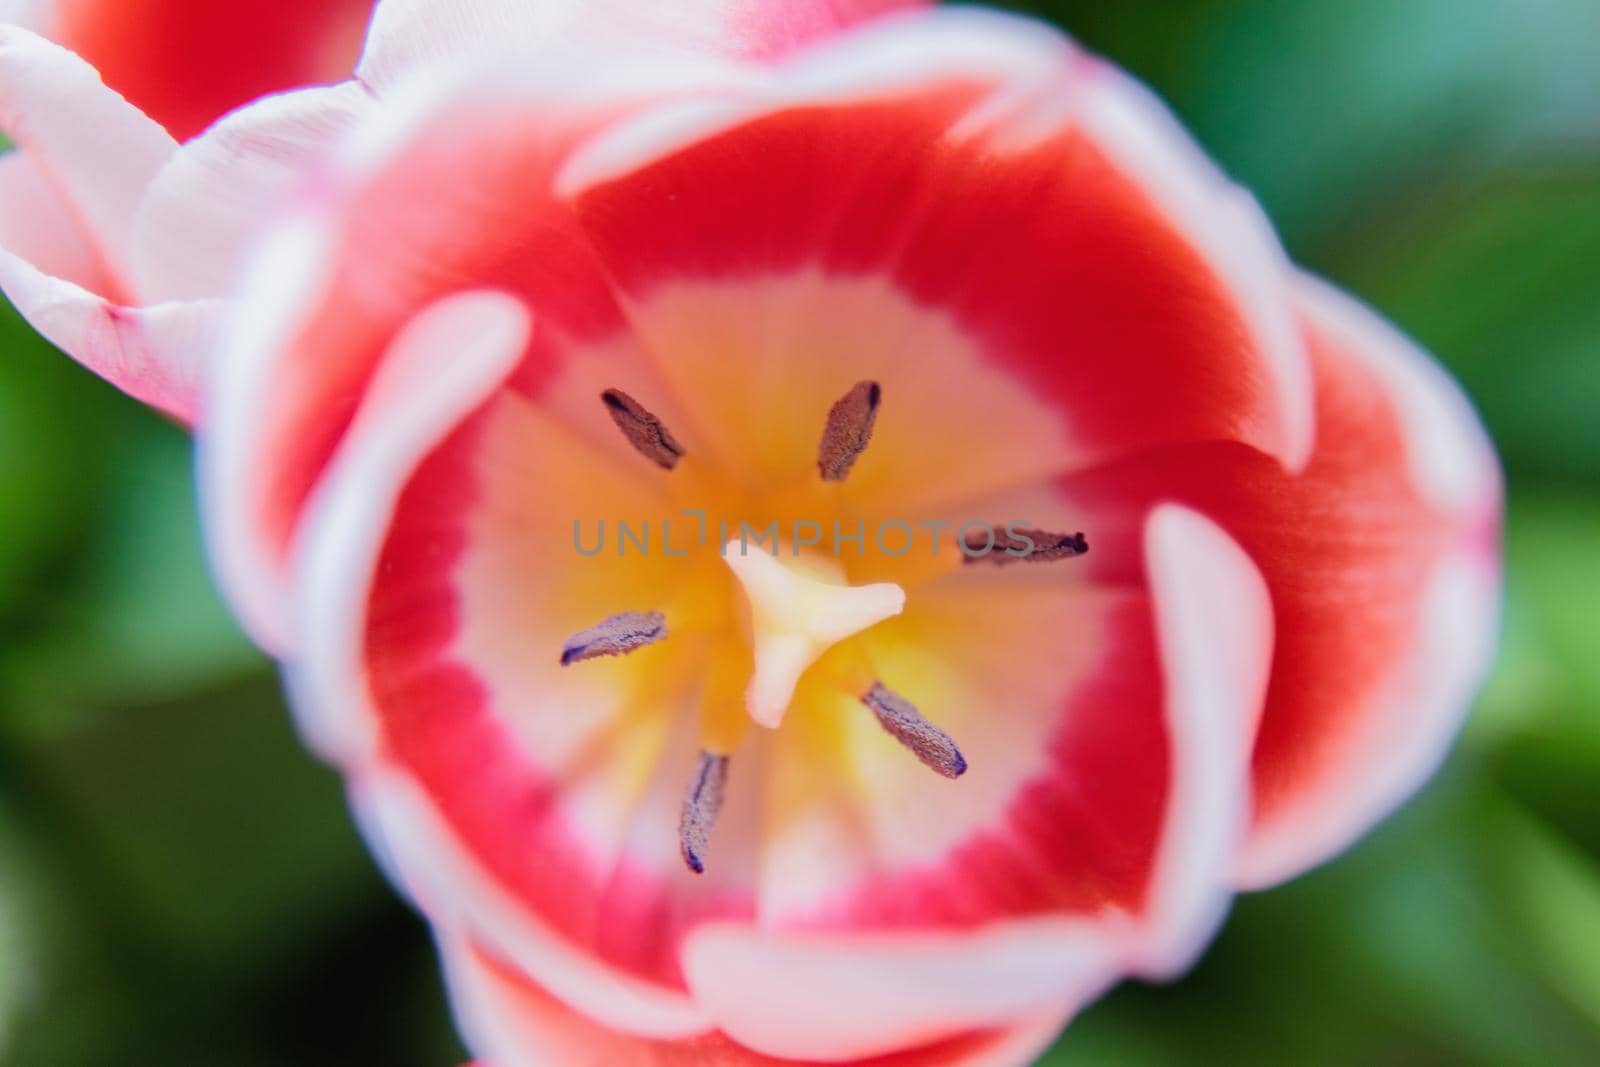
(764, 573)
(795, 612)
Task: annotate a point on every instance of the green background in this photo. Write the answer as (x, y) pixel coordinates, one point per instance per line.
(180, 883)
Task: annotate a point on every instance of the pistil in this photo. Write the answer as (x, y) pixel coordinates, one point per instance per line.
(794, 619)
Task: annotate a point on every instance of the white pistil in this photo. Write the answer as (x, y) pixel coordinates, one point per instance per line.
(794, 620)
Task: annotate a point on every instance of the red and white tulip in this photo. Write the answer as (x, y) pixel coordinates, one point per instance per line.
(877, 808)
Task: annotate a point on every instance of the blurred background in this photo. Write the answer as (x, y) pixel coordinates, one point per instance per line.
(180, 883)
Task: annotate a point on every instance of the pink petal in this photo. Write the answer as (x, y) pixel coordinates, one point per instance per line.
(154, 354)
(187, 62)
(38, 227)
(67, 200)
(204, 212)
(51, 272)
(98, 151)
(512, 1022)
(408, 34)
(1381, 562)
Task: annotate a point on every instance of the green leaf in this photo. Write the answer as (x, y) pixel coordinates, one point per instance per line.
(1395, 953)
(1326, 107)
(1538, 720)
(47, 485)
(1499, 281)
(1550, 897)
(139, 618)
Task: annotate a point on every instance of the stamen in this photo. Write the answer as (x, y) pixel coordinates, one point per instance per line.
(906, 725)
(642, 429)
(700, 807)
(616, 636)
(849, 431)
(1016, 545)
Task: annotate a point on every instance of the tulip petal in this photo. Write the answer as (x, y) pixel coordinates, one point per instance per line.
(154, 354)
(512, 1022)
(1381, 563)
(408, 34)
(37, 226)
(30, 14)
(185, 63)
(1366, 702)
(50, 271)
(85, 158)
(96, 149)
(1216, 675)
(205, 210)
(430, 865)
(445, 363)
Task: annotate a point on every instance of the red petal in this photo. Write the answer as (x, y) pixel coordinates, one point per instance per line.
(1382, 566)
(185, 63)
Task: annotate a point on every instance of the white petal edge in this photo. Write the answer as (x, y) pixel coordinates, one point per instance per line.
(98, 150)
(840, 997)
(282, 283)
(446, 361)
(1452, 460)
(154, 354)
(408, 36)
(447, 885)
(208, 207)
(1214, 629)
(1423, 703)
(1229, 229)
(884, 58)
(33, 15)
(501, 1035)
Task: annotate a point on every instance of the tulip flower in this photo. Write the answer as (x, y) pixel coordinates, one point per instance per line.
(121, 245)
(1201, 574)
(826, 553)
